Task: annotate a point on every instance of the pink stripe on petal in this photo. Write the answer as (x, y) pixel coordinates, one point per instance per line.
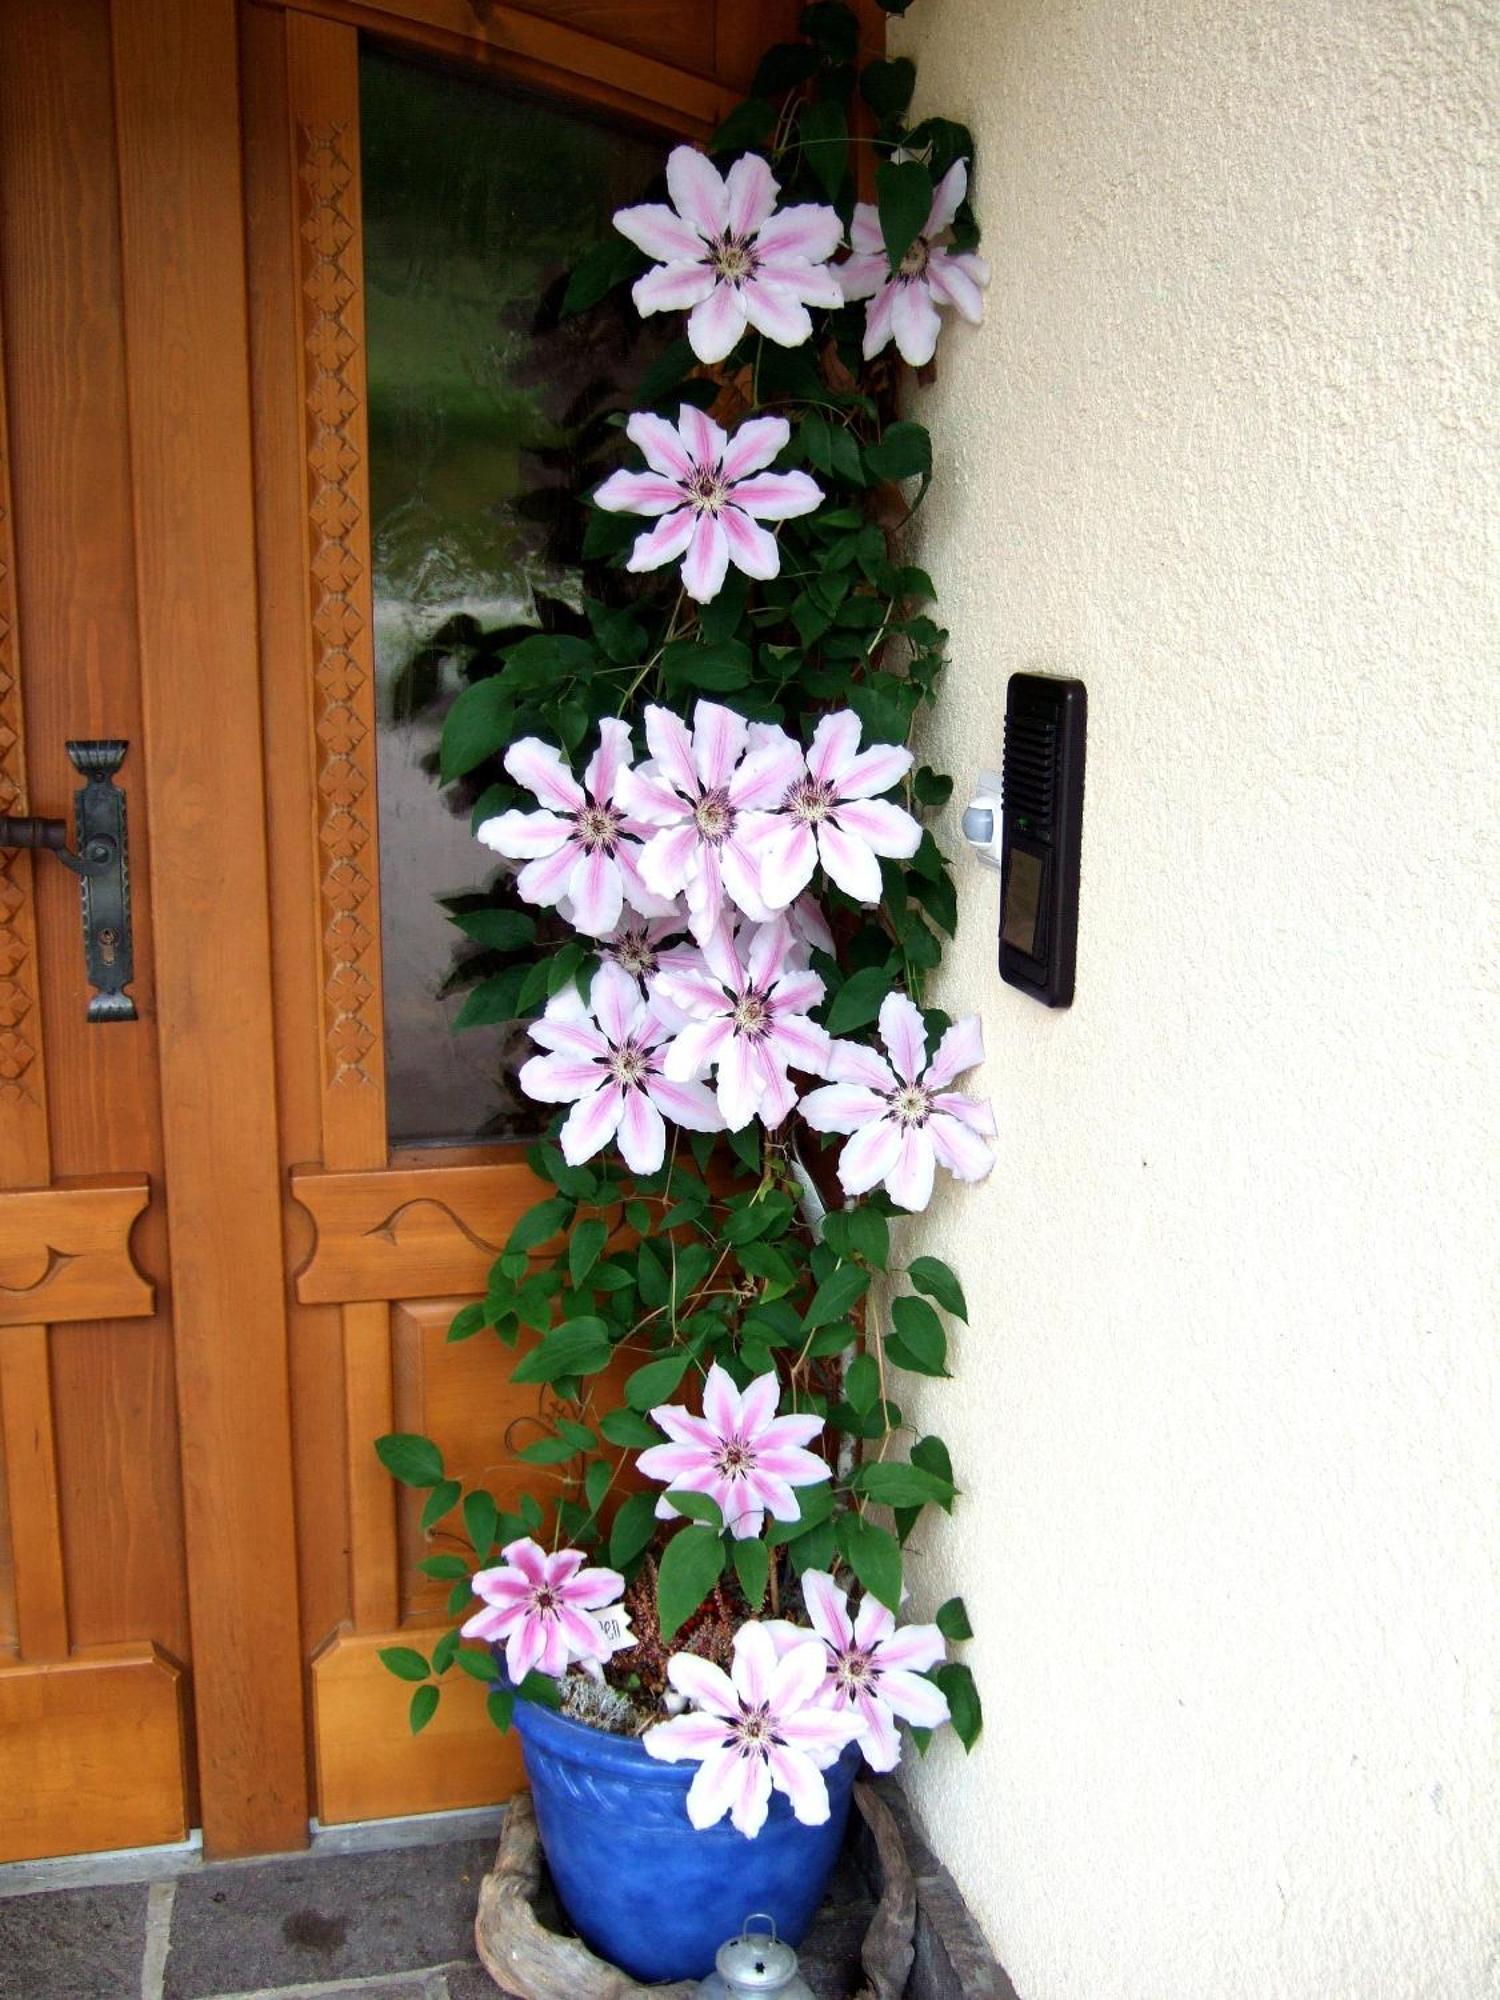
(841, 1107)
(684, 1428)
(704, 1684)
(750, 193)
(594, 1588)
(777, 496)
(773, 765)
(740, 872)
(523, 1649)
(702, 436)
(591, 1124)
(754, 445)
(799, 1779)
(796, 1466)
(878, 321)
(671, 746)
(865, 234)
(558, 1079)
(769, 946)
(914, 1699)
(672, 288)
(961, 1048)
(909, 1180)
(718, 742)
(878, 1737)
(813, 284)
(660, 445)
(776, 1099)
(875, 770)
(555, 1648)
(777, 312)
(545, 880)
(793, 1680)
(975, 1112)
(642, 1137)
(739, 1086)
(697, 190)
(852, 1062)
(752, 549)
(612, 755)
(914, 322)
(638, 493)
(828, 1608)
(850, 862)
(905, 1035)
(805, 230)
(648, 801)
(523, 835)
(584, 1639)
(715, 1790)
(954, 286)
(489, 1624)
(706, 562)
(663, 543)
(596, 894)
(528, 1557)
(797, 992)
(756, 1672)
(696, 1050)
(654, 228)
(674, 1464)
(947, 199)
(834, 747)
(787, 861)
(686, 1738)
(869, 1156)
(861, 277)
(800, 1043)
(748, 1813)
(758, 1404)
(721, 1402)
(691, 1105)
(714, 328)
(884, 827)
(667, 859)
(962, 1152)
(540, 768)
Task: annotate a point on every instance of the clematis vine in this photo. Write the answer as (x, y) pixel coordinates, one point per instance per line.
(695, 797)
(904, 1113)
(729, 257)
(739, 1452)
(830, 814)
(872, 1671)
(759, 1729)
(710, 493)
(582, 851)
(538, 1605)
(905, 301)
(747, 1020)
(606, 1059)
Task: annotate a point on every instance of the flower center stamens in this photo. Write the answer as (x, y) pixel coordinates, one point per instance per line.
(596, 829)
(633, 952)
(706, 490)
(544, 1599)
(910, 1105)
(628, 1066)
(735, 1460)
(810, 800)
(714, 816)
(915, 262)
(752, 1015)
(733, 259)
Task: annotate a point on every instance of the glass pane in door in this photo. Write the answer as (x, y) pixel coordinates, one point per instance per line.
(476, 200)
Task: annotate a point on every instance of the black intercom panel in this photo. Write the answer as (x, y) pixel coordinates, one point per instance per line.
(1042, 793)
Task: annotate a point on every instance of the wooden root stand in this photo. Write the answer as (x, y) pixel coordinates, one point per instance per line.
(527, 1960)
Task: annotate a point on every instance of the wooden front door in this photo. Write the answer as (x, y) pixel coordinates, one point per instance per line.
(232, 1232)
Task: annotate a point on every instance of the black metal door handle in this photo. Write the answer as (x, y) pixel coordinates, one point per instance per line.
(102, 864)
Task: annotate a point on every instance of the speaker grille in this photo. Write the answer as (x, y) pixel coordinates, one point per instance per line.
(1029, 774)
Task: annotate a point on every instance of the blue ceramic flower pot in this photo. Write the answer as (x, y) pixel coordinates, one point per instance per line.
(642, 1887)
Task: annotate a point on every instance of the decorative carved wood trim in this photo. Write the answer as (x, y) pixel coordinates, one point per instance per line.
(323, 75)
(408, 1233)
(23, 1097)
(65, 1252)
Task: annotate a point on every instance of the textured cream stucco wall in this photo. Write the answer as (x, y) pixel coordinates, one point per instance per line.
(1227, 1413)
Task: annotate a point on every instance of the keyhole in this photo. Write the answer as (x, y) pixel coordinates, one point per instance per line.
(108, 939)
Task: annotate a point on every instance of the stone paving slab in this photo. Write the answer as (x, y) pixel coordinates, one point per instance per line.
(74, 1944)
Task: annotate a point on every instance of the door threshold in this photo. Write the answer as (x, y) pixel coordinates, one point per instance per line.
(185, 1857)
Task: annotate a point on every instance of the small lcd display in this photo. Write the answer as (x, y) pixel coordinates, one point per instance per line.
(1023, 901)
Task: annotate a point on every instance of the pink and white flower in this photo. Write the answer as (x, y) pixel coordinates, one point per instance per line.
(872, 1672)
(762, 1730)
(582, 851)
(903, 1113)
(711, 492)
(539, 1604)
(830, 814)
(606, 1060)
(739, 1452)
(904, 302)
(645, 946)
(695, 797)
(747, 1020)
(729, 258)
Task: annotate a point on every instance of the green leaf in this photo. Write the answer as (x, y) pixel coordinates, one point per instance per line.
(539, 1225)
(870, 1235)
(424, 1703)
(813, 1550)
(578, 1435)
(405, 1662)
(752, 1565)
(597, 272)
(895, 1485)
(444, 1567)
(633, 1528)
(648, 1386)
(477, 726)
(857, 1001)
(698, 1507)
(548, 1451)
(815, 1504)
(500, 1708)
(444, 1650)
(862, 1384)
(481, 1522)
(957, 1684)
(440, 1500)
(874, 1555)
(953, 1620)
(919, 1343)
(596, 1483)
(720, 669)
(749, 125)
(458, 1598)
(494, 999)
(931, 1454)
(585, 1246)
(844, 1286)
(496, 930)
(903, 195)
(905, 451)
(542, 1689)
(477, 1665)
(467, 1321)
(825, 135)
(414, 1460)
(577, 1347)
(630, 1429)
(932, 1276)
(887, 87)
(833, 28)
(690, 1568)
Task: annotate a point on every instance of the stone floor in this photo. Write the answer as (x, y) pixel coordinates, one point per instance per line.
(394, 1923)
